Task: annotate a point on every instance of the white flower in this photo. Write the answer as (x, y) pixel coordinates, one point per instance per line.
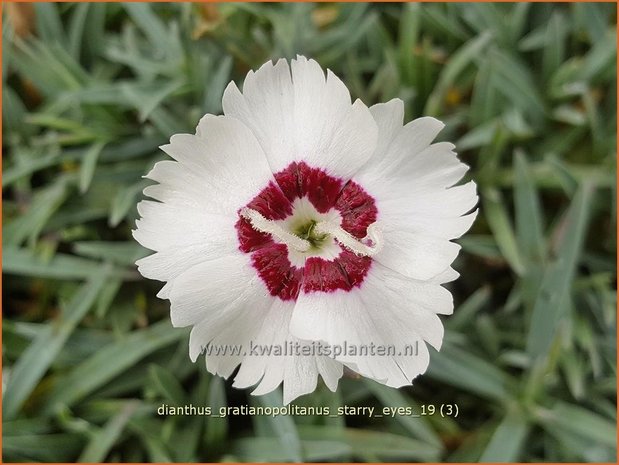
(302, 218)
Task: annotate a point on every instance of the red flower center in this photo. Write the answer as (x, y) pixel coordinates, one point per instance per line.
(327, 195)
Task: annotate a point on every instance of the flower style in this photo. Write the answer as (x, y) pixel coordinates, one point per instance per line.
(300, 217)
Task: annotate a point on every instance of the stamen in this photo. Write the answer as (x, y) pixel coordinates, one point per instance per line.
(351, 242)
(260, 223)
(359, 247)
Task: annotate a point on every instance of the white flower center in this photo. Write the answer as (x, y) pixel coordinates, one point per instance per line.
(310, 233)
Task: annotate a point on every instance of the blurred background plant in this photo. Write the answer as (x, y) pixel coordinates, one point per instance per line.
(528, 92)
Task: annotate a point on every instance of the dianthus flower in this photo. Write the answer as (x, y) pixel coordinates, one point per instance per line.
(302, 217)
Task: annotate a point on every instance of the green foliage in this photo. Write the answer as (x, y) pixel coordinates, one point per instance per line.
(528, 94)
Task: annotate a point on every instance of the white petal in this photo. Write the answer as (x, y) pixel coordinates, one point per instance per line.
(298, 114)
(330, 370)
(418, 256)
(340, 318)
(178, 185)
(436, 166)
(299, 373)
(445, 228)
(267, 107)
(199, 194)
(264, 322)
(446, 276)
(417, 230)
(434, 212)
(273, 377)
(207, 289)
(389, 118)
(411, 181)
(300, 377)
(164, 292)
(215, 323)
(388, 310)
(171, 263)
(236, 331)
(406, 143)
(165, 226)
(272, 330)
(222, 169)
(183, 236)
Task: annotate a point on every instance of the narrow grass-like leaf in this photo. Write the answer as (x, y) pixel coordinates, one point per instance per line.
(502, 229)
(580, 421)
(592, 19)
(218, 82)
(150, 24)
(82, 342)
(600, 58)
(14, 112)
(76, 28)
(337, 50)
(267, 450)
(97, 370)
(367, 444)
(216, 425)
(554, 293)
(33, 364)
(485, 103)
(51, 67)
(284, 427)
(103, 440)
(507, 440)
(575, 375)
(124, 253)
(26, 426)
(8, 36)
(518, 17)
(89, 164)
(14, 173)
(515, 82)
(94, 31)
(409, 33)
(554, 49)
(467, 371)
(22, 262)
(42, 447)
(482, 246)
(444, 22)
(418, 427)
(30, 224)
(124, 201)
(167, 385)
(458, 62)
(529, 233)
(48, 22)
(148, 99)
(156, 450)
(469, 308)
